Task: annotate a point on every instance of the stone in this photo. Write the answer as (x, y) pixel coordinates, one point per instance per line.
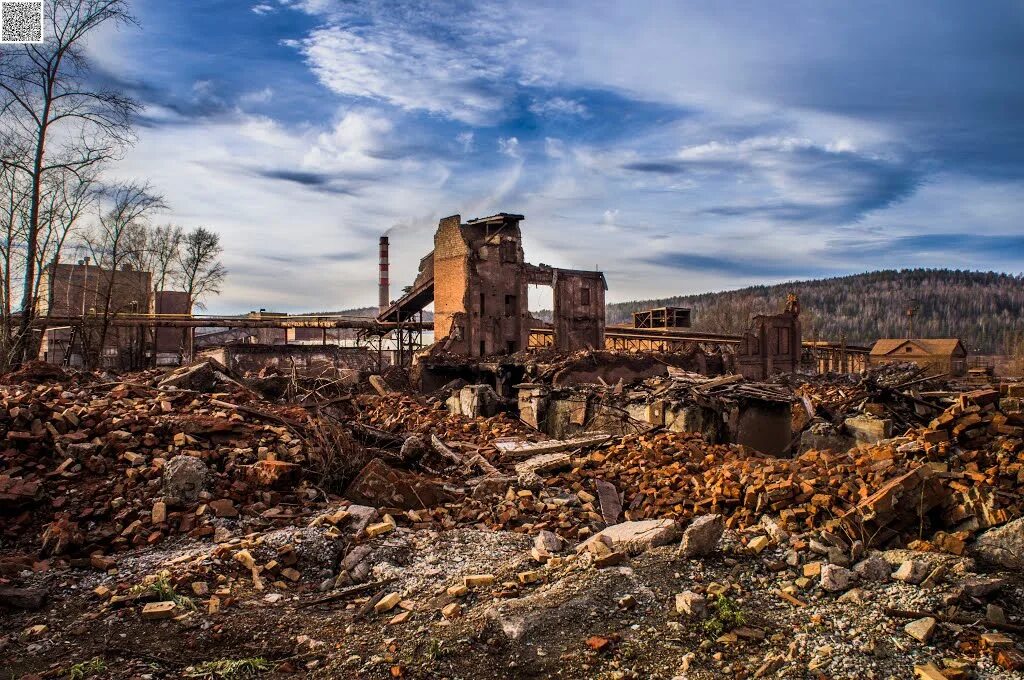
(526, 577)
(835, 578)
(838, 556)
(224, 507)
(824, 437)
(929, 671)
(203, 376)
(401, 617)
(23, 598)
(774, 530)
(457, 590)
(921, 629)
(479, 580)
(873, 568)
(978, 587)
(635, 537)
(610, 560)
(995, 614)
(866, 429)
(1002, 546)
(387, 603)
(995, 640)
(413, 448)
(758, 544)
(543, 464)
(548, 541)
(381, 485)
(691, 604)
(159, 514)
(857, 595)
(452, 610)
(493, 485)
(158, 610)
(701, 537)
(911, 571)
(184, 479)
(360, 517)
(379, 529)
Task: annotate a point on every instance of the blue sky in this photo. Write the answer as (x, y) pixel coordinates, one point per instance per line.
(679, 146)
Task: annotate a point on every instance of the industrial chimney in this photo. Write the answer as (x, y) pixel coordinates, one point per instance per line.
(385, 292)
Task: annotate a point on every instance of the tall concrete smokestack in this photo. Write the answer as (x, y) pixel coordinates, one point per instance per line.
(385, 289)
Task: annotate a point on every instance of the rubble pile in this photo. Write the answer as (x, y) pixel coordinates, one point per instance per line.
(955, 477)
(229, 522)
(92, 466)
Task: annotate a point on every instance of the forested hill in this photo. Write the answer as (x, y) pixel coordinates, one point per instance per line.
(978, 307)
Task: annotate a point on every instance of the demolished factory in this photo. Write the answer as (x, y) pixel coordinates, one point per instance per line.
(332, 496)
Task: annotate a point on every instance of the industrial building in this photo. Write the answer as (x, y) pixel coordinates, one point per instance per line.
(942, 355)
(477, 278)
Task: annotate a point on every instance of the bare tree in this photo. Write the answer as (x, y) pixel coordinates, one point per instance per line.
(200, 270)
(164, 254)
(59, 121)
(13, 194)
(119, 231)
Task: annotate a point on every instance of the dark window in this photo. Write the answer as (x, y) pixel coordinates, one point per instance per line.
(511, 346)
(483, 299)
(483, 349)
(510, 305)
(909, 349)
(585, 297)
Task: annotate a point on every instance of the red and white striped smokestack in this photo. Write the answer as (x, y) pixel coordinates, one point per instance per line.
(385, 288)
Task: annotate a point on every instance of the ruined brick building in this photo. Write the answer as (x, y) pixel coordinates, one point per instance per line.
(477, 278)
(772, 344)
(84, 289)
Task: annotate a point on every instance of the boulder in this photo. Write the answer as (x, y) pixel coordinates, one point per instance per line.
(184, 478)
(701, 537)
(635, 537)
(1002, 546)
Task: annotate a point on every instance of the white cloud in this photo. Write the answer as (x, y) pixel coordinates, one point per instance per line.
(350, 146)
(256, 97)
(263, 8)
(462, 62)
(465, 141)
(509, 146)
(559, 106)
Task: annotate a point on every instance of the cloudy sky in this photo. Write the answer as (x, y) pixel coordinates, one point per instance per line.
(679, 146)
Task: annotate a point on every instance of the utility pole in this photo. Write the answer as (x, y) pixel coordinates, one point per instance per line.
(911, 311)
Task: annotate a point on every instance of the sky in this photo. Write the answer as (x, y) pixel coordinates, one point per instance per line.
(680, 147)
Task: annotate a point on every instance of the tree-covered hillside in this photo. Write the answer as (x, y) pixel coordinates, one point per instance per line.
(982, 308)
